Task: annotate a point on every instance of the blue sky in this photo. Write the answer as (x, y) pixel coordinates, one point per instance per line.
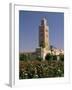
(29, 22)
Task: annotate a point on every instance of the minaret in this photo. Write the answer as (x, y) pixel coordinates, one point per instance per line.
(44, 35)
(44, 45)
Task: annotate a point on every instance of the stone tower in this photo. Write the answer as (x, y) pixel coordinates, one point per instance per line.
(44, 35)
(44, 45)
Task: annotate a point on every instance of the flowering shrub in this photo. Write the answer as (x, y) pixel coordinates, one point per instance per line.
(41, 69)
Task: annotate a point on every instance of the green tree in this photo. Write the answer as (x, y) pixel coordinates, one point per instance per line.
(22, 57)
(54, 57)
(49, 57)
(39, 58)
(61, 57)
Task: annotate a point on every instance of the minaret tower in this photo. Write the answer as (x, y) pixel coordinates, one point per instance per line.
(44, 45)
(44, 35)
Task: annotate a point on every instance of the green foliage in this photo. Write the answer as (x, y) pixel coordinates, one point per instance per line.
(38, 69)
(23, 57)
(49, 57)
(39, 58)
(54, 57)
(27, 57)
(61, 57)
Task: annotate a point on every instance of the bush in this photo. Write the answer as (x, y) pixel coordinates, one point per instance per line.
(49, 57)
(38, 69)
(22, 57)
(61, 57)
(39, 58)
(54, 57)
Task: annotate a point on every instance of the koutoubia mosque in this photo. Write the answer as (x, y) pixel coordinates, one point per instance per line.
(44, 42)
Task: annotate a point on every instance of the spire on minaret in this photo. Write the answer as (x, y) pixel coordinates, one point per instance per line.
(44, 21)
